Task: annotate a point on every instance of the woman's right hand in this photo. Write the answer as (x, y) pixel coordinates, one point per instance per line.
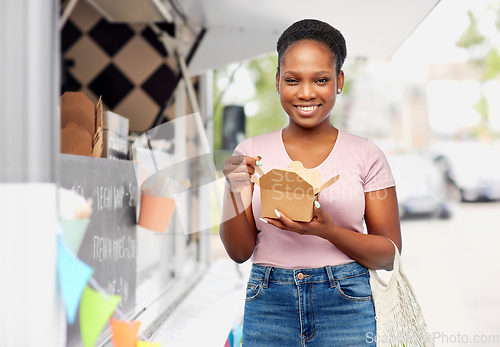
(237, 228)
(237, 170)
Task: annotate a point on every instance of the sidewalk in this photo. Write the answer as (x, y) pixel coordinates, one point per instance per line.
(205, 317)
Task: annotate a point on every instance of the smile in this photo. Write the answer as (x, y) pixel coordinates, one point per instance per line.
(310, 108)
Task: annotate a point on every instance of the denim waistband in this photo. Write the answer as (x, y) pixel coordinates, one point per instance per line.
(309, 275)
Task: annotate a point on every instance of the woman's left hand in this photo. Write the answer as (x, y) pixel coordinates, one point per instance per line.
(321, 224)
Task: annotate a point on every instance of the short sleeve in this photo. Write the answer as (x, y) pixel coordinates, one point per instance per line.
(378, 174)
(245, 147)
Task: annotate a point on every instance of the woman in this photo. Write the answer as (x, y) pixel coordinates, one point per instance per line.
(309, 283)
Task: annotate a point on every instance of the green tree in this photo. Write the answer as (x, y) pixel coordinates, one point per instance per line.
(269, 115)
(483, 52)
(471, 36)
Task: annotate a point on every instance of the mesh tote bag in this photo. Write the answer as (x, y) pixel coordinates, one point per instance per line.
(399, 319)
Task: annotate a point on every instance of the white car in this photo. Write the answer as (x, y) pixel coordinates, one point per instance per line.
(420, 187)
(474, 168)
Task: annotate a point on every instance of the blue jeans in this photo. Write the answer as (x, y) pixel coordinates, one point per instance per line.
(328, 306)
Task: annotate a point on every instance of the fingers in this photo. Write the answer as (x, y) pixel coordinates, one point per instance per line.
(276, 222)
(313, 227)
(237, 170)
(318, 211)
(283, 222)
(258, 165)
(238, 180)
(241, 163)
(284, 219)
(243, 160)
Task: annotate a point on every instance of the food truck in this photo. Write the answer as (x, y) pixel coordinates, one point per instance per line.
(105, 99)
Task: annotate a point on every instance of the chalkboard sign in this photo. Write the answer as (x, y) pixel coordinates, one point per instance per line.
(110, 243)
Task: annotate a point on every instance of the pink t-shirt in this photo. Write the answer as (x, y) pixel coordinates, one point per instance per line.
(362, 167)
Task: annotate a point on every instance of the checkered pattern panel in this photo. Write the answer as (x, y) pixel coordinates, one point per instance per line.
(125, 63)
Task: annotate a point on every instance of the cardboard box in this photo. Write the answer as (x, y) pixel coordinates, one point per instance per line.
(291, 191)
(81, 125)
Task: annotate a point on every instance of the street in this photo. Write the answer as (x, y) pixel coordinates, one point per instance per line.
(453, 267)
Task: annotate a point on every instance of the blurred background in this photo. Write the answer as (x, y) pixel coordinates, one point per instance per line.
(422, 81)
(434, 109)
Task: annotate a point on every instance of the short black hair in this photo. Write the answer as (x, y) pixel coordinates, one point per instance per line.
(315, 30)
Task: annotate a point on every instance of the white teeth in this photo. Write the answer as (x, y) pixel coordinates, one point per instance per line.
(307, 108)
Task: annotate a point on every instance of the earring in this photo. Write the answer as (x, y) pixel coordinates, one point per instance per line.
(278, 92)
(339, 91)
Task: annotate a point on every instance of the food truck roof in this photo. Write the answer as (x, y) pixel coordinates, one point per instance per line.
(238, 30)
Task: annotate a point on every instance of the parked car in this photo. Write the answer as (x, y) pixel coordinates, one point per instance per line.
(474, 168)
(420, 187)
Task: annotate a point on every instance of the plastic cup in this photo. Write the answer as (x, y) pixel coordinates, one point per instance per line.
(73, 232)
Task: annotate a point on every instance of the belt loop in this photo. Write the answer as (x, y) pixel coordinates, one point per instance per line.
(330, 276)
(267, 275)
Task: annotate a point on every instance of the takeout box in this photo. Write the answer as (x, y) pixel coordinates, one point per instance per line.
(291, 191)
(81, 125)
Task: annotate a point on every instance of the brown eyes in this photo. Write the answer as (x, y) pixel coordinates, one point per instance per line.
(318, 81)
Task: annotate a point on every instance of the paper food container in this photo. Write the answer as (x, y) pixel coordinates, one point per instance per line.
(81, 125)
(291, 191)
(158, 201)
(156, 211)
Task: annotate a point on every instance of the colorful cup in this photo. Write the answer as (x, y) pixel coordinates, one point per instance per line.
(156, 211)
(73, 232)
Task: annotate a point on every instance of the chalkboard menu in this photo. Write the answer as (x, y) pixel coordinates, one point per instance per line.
(110, 243)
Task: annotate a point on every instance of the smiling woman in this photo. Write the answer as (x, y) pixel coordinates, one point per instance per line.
(309, 284)
(308, 88)
(309, 84)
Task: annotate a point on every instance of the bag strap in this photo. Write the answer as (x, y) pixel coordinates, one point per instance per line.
(398, 271)
(397, 259)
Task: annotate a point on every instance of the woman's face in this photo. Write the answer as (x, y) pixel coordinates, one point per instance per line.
(308, 83)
